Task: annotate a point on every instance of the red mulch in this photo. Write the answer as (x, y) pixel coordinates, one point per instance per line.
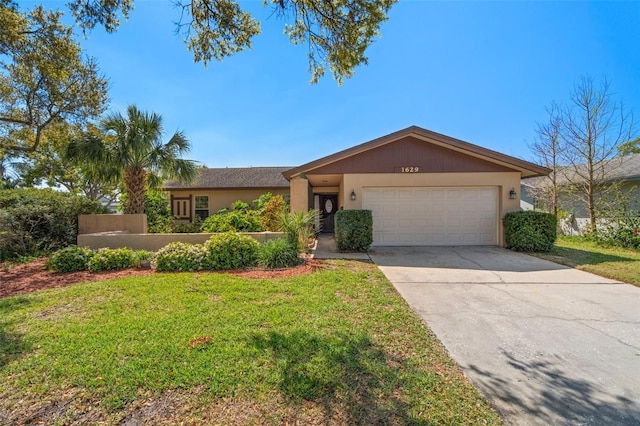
(34, 276)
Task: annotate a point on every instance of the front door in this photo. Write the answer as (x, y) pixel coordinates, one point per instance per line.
(328, 207)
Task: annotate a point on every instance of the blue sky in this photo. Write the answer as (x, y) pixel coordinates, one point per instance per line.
(482, 72)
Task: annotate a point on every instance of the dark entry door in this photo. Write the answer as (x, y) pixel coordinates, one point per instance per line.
(328, 207)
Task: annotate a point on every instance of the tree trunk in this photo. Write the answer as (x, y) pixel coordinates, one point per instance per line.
(135, 181)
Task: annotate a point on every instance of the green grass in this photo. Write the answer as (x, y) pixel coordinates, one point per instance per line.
(339, 346)
(611, 262)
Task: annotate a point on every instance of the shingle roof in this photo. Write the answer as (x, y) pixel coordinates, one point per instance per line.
(526, 168)
(235, 177)
(624, 169)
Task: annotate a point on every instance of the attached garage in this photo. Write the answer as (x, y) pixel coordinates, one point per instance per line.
(424, 188)
(433, 216)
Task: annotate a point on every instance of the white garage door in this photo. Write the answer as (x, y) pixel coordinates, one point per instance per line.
(433, 216)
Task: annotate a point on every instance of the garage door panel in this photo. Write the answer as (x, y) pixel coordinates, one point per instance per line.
(433, 216)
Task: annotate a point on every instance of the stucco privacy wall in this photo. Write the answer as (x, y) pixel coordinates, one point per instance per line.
(131, 223)
(224, 198)
(154, 242)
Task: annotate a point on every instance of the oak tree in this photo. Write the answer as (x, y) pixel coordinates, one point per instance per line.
(44, 77)
(336, 33)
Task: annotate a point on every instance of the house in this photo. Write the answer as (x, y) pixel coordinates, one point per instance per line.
(423, 188)
(624, 172)
(218, 188)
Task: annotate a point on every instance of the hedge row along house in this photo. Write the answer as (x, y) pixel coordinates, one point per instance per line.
(423, 188)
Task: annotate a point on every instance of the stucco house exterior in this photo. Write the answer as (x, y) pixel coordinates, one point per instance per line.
(218, 188)
(424, 188)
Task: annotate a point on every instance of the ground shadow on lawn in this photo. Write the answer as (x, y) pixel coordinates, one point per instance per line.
(12, 344)
(554, 397)
(577, 257)
(347, 375)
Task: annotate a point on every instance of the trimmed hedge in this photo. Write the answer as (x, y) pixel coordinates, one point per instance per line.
(231, 251)
(354, 230)
(70, 259)
(106, 259)
(530, 231)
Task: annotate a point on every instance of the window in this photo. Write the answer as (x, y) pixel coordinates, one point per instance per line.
(202, 206)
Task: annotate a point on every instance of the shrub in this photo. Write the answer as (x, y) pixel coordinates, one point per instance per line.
(278, 253)
(70, 259)
(231, 251)
(144, 255)
(106, 259)
(38, 221)
(271, 211)
(188, 228)
(178, 256)
(530, 231)
(159, 217)
(354, 230)
(235, 220)
(299, 228)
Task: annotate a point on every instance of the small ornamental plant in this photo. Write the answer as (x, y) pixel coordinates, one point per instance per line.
(278, 253)
(70, 259)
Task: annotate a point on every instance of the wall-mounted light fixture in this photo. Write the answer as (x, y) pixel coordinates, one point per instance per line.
(353, 195)
(513, 194)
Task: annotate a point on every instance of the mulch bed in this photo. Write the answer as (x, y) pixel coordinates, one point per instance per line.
(33, 276)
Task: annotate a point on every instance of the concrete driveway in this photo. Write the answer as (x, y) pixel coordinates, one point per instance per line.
(546, 344)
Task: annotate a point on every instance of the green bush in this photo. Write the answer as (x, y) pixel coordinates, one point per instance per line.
(178, 256)
(70, 259)
(159, 217)
(235, 220)
(530, 231)
(354, 230)
(278, 253)
(106, 259)
(231, 251)
(188, 228)
(144, 255)
(39, 221)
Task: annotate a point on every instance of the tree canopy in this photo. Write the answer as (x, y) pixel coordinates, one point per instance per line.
(336, 33)
(44, 77)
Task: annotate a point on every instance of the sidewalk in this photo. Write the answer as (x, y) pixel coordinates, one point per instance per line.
(326, 249)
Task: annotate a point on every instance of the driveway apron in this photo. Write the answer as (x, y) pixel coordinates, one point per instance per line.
(546, 344)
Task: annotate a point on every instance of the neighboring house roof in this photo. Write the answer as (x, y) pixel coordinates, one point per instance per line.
(526, 168)
(624, 169)
(235, 178)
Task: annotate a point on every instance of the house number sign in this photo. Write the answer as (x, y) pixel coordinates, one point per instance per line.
(408, 169)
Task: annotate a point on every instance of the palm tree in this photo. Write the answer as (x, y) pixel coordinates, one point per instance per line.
(131, 149)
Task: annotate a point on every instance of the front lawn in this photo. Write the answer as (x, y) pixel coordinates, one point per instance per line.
(338, 346)
(580, 253)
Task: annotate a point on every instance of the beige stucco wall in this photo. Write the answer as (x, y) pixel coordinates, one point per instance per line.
(154, 242)
(224, 198)
(299, 194)
(92, 223)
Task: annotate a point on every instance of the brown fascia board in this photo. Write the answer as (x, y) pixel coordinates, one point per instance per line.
(443, 140)
(214, 188)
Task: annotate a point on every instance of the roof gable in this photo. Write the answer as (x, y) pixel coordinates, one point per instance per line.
(417, 147)
(410, 152)
(235, 178)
